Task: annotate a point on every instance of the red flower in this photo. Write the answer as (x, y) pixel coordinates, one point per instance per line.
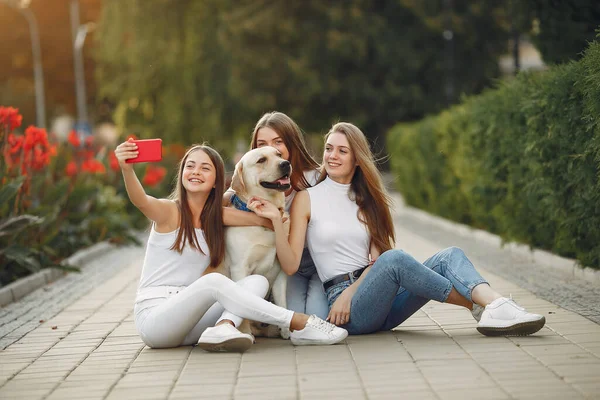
(41, 157)
(31, 151)
(93, 166)
(154, 175)
(74, 139)
(89, 141)
(35, 136)
(71, 169)
(10, 117)
(113, 161)
(15, 142)
(12, 160)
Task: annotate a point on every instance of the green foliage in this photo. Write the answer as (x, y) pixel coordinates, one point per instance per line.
(206, 70)
(47, 215)
(563, 28)
(522, 160)
(71, 215)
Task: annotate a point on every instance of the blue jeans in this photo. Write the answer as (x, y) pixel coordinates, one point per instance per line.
(304, 289)
(397, 286)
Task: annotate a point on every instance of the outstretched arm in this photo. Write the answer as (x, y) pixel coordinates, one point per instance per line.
(289, 249)
(157, 210)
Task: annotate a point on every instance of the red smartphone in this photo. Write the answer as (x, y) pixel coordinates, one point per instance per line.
(150, 150)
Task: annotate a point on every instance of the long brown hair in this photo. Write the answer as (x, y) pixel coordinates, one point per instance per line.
(211, 218)
(367, 185)
(293, 139)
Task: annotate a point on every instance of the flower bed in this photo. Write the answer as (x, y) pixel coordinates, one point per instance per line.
(57, 198)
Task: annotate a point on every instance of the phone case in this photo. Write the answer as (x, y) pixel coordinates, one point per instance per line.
(150, 150)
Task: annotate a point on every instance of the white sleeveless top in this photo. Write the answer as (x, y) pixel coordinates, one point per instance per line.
(338, 242)
(165, 267)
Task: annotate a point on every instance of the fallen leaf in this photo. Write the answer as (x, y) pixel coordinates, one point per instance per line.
(41, 321)
(54, 327)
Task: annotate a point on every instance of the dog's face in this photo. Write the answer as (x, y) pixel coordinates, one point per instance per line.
(262, 172)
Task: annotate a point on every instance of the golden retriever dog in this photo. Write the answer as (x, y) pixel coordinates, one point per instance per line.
(251, 249)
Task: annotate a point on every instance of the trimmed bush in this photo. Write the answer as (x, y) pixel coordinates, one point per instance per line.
(521, 160)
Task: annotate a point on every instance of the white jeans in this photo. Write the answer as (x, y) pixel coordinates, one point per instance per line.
(180, 319)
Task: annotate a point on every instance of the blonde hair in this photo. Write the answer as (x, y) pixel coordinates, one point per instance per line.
(367, 185)
(211, 218)
(293, 139)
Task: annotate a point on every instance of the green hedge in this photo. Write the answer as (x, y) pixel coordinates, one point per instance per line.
(521, 160)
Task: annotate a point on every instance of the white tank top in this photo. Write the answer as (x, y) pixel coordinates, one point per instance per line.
(165, 267)
(338, 242)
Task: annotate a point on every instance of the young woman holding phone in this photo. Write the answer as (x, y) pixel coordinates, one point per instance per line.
(176, 303)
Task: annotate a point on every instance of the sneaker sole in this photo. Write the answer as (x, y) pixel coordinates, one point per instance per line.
(313, 343)
(236, 345)
(522, 329)
(308, 342)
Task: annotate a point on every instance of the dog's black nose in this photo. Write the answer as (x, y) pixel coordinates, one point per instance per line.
(285, 166)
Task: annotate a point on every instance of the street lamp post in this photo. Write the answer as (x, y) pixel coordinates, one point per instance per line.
(79, 33)
(36, 50)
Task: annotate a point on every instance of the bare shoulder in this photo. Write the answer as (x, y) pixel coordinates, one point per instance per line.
(301, 204)
(169, 220)
(302, 197)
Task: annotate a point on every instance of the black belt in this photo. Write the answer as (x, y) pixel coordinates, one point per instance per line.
(343, 278)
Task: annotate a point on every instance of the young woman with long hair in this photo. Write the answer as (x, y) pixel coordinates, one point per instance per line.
(370, 286)
(304, 290)
(176, 303)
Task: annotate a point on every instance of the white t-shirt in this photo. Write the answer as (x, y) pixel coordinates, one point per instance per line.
(338, 242)
(165, 267)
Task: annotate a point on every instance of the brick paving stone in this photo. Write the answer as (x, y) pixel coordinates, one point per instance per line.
(95, 352)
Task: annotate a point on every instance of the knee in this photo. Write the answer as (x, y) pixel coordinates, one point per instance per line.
(258, 283)
(395, 260)
(455, 252)
(215, 280)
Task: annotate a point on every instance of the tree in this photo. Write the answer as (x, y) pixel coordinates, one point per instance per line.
(210, 68)
(370, 62)
(563, 28)
(161, 63)
(16, 75)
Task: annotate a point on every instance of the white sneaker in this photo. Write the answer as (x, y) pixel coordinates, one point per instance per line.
(225, 337)
(477, 311)
(503, 317)
(318, 332)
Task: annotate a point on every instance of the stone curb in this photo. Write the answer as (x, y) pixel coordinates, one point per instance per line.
(569, 267)
(22, 287)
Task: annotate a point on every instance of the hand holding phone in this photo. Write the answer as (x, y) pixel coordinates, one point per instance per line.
(149, 150)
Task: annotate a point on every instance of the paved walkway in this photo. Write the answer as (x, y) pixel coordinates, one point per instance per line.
(75, 339)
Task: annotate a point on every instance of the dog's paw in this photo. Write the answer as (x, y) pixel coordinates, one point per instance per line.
(285, 333)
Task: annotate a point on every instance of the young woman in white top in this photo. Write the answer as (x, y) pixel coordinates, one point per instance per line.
(304, 290)
(177, 303)
(370, 286)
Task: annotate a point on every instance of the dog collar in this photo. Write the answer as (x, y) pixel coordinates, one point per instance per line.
(239, 204)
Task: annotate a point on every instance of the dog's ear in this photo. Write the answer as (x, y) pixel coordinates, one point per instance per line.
(237, 180)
